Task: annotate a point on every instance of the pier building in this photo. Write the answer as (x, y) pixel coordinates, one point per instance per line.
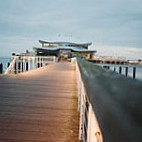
(64, 49)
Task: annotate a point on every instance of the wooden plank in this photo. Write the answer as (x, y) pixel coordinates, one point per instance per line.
(39, 105)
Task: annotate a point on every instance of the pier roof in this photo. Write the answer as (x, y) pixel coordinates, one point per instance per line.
(73, 49)
(84, 45)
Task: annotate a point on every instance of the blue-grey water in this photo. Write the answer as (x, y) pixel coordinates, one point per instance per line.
(4, 61)
(130, 69)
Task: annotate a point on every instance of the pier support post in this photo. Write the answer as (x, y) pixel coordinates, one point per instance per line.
(126, 71)
(114, 69)
(1, 68)
(134, 72)
(106, 67)
(120, 70)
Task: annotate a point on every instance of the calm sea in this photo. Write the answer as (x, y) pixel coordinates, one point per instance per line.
(4, 61)
(130, 70)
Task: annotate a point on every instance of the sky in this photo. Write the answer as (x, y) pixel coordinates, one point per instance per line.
(113, 26)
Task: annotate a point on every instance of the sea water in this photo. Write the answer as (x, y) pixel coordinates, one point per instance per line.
(130, 69)
(4, 61)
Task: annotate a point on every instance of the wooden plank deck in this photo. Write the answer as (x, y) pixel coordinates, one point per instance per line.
(39, 105)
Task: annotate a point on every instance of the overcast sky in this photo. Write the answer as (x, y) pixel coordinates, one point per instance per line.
(112, 26)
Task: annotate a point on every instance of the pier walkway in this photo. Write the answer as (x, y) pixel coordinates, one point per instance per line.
(39, 105)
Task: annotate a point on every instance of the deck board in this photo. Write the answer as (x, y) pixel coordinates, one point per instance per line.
(39, 105)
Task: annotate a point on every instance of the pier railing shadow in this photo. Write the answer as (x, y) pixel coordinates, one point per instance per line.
(110, 105)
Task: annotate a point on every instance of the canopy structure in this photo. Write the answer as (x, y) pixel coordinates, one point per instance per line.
(69, 49)
(50, 44)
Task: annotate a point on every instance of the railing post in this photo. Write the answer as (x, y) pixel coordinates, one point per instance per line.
(94, 133)
(120, 70)
(29, 63)
(38, 60)
(27, 66)
(15, 66)
(19, 66)
(126, 71)
(8, 64)
(81, 113)
(1, 68)
(114, 69)
(41, 61)
(134, 72)
(54, 59)
(22, 64)
(33, 62)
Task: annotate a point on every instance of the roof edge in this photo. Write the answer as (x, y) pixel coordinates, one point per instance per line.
(69, 43)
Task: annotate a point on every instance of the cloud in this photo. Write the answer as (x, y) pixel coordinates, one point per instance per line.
(106, 23)
(119, 51)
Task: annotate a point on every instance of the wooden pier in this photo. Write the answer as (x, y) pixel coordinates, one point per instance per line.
(39, 105)
(68, 102)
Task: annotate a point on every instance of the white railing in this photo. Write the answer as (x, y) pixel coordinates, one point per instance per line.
(11, 66)
(24, 63)
(89, 130)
